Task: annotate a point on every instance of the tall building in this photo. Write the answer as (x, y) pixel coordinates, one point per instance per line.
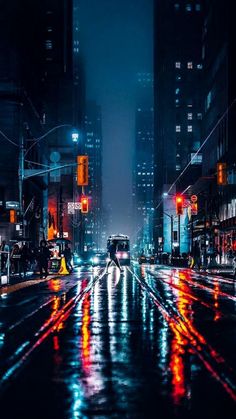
(178, 107)
(93, 221)
(143, 172)
(42, 94)
(214, 228)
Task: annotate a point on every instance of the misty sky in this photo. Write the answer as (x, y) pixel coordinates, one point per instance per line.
(116, 41)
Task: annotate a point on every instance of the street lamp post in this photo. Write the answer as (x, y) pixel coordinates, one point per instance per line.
(27, 173)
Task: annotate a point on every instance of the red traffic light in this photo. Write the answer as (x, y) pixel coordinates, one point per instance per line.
(84, 204)
(179, 200)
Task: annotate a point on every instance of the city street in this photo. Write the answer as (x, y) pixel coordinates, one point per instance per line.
(152, 342)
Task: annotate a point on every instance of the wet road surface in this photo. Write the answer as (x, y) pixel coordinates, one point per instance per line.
(152, 342)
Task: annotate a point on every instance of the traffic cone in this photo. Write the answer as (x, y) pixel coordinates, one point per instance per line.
(63, 269)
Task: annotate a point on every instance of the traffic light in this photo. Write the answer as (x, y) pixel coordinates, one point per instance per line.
(221, 174)
(82, 170)
(84, 204)
(13, 218)
(179, 204)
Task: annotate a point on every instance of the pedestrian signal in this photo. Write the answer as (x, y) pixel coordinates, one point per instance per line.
(179, 204)
(13, 218)
(221, 174)
(84, 204)
(82, 170)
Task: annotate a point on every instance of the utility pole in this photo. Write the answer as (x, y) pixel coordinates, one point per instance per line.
(179, 231)
(21, 180)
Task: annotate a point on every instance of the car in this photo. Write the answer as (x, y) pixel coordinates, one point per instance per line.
(142, 259)
(152, 259)
(99, 259)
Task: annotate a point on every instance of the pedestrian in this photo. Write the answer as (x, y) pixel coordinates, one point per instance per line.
(112, 249)
(4, 248)
(15, 259)
(68, 256)
(24, 259)
(43, 258)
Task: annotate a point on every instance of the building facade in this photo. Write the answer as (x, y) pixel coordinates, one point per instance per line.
(93, 221)
(143, 168)
(178, 109)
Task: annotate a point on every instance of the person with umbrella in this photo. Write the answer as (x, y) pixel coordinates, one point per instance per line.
(43, 258)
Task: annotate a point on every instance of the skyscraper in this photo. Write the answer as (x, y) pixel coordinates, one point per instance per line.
(178, 106)
(143, 171)
(93, 225)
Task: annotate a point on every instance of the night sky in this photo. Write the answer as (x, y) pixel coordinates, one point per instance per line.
(116, 42)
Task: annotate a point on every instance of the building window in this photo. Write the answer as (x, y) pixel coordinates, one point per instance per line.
(208, 100)
(198, 7)
(176, 6)
(48, 44)
(177, 91)
(178, 78)
(188, 7)
(190, 65)
(190, 116)
(199, 115)
(177, 167)
(190, 128)
(178, 128)
(199, 66)
(177, 64)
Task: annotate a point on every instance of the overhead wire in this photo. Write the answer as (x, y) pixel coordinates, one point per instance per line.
(199, 149)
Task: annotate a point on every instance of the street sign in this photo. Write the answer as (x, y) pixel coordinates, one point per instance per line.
(193, 198)
(73, 206)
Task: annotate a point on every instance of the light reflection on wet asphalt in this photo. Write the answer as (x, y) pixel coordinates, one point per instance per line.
(159, 343)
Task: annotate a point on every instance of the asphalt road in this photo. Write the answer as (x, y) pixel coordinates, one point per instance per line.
(153, 342)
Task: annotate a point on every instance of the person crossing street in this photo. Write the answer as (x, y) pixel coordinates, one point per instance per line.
(112, 250)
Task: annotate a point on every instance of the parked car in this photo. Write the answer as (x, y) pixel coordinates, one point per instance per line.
(152, 259)
(142, 259)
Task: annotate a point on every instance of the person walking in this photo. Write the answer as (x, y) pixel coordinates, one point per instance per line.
(24, 260)
(43, 258)
(112, 256)
(4, 249)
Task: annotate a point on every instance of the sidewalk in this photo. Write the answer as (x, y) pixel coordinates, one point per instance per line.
(16, 282)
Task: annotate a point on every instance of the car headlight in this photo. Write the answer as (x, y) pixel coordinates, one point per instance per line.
(96, 259)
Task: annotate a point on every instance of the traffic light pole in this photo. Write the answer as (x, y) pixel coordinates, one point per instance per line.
(179, 231)
(21, 179)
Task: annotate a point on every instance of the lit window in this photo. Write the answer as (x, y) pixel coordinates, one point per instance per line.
(208, 100)
(190, 128)
(177, 91)
(48, 44)
(190, 65)
(177, 167)
(178, 78)
(188, 7)
(199, 115)
(177, 64)
(199, 66)
(189, 105)
(176, 100)
(177, 128)
(190, 116)
(198, 7)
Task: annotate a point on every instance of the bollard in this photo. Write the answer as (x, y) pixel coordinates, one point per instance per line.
(63, 269)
